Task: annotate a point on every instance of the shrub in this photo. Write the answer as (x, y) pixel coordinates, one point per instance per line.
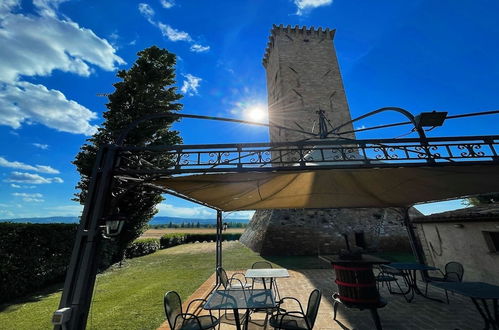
(169, 240)
(33, 256)
(141, 247)
(211, 237)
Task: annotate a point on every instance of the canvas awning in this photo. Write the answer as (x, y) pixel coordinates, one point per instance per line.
(336, 188)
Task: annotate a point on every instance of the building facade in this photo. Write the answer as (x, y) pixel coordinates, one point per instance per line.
(469, 236)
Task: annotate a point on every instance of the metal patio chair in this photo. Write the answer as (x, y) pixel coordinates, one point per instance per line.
(228, 283)
(389, 275)
(297, 320)
(179, 320)
(454, 272)
(261, 265)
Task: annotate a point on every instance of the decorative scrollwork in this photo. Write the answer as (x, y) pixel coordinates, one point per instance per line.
(385, 153)
(434, 148)
(213, 155)
(421, 151)
(470, 150)
(184, 159)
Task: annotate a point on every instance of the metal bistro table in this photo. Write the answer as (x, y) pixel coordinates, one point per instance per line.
(409, 269)
(268, 273)
(241, 299)
(477, 292)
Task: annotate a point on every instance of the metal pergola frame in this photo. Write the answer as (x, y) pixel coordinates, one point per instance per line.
(113, 161)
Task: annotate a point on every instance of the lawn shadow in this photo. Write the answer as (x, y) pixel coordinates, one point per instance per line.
(33, 297)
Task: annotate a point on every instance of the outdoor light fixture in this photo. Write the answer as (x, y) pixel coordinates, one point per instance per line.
(430, 119)
(113, 225)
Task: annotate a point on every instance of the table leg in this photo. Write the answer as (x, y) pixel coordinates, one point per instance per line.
(246, 319)
(236, 318)
(482, 314)
(277, 293)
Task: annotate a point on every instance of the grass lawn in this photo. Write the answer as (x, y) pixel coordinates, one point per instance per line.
(131, 297)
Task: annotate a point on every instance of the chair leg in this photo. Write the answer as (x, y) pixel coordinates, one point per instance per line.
(447, 297)
(401, 291)
(377, 321)
(335, 309)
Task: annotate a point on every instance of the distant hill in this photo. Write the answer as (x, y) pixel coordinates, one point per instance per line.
(154, 221)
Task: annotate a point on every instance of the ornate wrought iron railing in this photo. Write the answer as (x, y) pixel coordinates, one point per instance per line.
(311, 153)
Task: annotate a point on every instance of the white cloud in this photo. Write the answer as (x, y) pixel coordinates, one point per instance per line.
(168, 31)
(13, 185)
(147, 11)
(199, 48)
(361, 127)
(190, 85)
(22, 166)
(38, 45)
(185, 212)
(47, 7)
(41, 145)
(304, 6)
(167, 3)
(173, 34)
(36, 197)
(201, 212)
(29, 178)
(29, 103)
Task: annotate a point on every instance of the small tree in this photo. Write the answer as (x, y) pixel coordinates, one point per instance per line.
(146, 88)
(482, 199)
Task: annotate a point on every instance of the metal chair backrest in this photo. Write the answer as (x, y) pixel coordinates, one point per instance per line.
(261, 265)
(314, 301)
(222, 275)
(454, 271)
(173, 307)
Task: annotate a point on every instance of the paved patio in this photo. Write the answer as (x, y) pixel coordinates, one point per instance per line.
(421, 313)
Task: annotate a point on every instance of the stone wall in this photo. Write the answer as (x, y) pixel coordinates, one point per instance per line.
(313, 231)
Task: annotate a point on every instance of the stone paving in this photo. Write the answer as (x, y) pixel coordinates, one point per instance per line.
(421, 313)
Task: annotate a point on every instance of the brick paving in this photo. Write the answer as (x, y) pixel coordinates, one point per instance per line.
(420, 314)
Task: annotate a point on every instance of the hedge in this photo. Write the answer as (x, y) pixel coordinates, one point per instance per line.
(33, 256)
(169, 240)
(141, 247)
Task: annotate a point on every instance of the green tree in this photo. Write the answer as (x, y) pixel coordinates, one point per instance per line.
(482, 199)
(146, 88)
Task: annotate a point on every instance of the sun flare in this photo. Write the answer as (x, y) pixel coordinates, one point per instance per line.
(256, 113)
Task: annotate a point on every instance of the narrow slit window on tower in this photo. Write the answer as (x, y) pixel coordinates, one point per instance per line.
(492, 239)
(360, 239)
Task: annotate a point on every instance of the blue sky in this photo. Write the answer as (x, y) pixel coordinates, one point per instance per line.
(58, 56)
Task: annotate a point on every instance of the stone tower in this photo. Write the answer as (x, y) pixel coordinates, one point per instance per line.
(303, 77)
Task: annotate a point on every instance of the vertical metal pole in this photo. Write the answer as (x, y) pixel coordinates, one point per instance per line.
(219, 243)
(413, 240)
(80, 278)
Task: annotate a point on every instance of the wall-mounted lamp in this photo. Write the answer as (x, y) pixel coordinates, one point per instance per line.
(458, 225)
(430, 119)
(113, 225)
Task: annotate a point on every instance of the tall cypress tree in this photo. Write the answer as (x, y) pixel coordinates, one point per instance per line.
(146, 88)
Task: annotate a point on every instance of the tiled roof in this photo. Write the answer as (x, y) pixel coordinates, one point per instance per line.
(485, 212)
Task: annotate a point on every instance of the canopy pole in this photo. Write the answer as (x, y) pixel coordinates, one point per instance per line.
(218, 245)
(413, 240)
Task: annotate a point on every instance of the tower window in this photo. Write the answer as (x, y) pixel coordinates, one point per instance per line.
(492, 239)
(360, 240)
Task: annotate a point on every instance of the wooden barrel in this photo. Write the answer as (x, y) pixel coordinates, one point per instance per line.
(356, 283)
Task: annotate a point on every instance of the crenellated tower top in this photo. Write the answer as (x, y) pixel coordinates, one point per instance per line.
(295, 32)
(303, 81)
